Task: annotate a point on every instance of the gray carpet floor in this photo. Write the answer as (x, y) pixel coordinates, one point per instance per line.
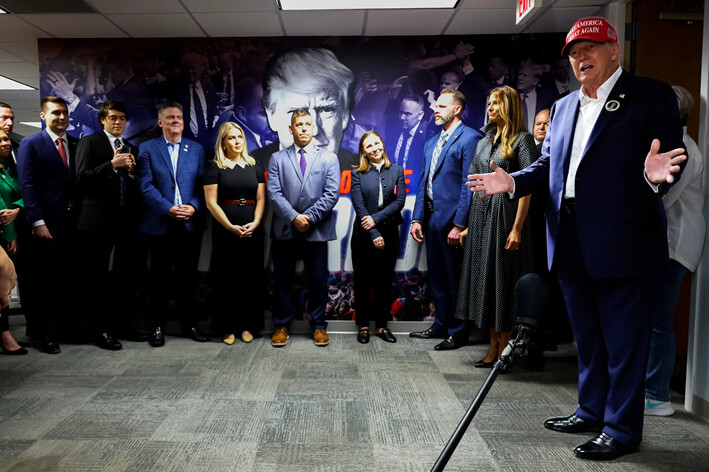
(345, 407)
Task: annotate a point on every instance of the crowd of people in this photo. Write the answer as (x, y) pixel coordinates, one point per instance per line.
(93, 212)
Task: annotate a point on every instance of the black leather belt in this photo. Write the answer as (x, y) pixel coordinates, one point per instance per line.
(569, 206)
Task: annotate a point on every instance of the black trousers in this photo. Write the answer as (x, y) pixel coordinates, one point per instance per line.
(111, 299)
(373, 275)
(174, 257)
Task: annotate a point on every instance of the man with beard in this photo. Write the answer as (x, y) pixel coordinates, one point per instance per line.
(441, 213)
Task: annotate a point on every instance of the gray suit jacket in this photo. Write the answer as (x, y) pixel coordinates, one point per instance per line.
(313, 195)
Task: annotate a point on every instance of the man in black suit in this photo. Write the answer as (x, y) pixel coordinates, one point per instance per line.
(46, 170)
(534, 97)
(225, 80)
(7, 122)
(108, 221)
(314, 79)
(405, 145)
(198, 99)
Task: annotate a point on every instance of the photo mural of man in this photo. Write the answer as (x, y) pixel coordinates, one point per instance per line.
(314, 79)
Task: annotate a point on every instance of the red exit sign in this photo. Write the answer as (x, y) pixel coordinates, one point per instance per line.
(524, 7)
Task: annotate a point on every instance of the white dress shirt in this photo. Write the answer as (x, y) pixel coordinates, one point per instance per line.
(174, 151)
(589, 111)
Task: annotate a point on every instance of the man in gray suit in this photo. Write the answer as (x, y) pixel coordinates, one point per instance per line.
(303, 187)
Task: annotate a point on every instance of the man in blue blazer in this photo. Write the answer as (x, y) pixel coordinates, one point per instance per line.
(606, 234)
(48, 187)
(169, 173)
(303, 188)
(441, 213)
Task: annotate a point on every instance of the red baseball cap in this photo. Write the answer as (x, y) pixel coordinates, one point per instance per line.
(598, 30)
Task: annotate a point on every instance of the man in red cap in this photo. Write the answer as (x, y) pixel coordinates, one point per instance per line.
(606, 234)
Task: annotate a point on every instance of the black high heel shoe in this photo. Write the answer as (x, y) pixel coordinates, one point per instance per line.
(17, 352)
(481, 364)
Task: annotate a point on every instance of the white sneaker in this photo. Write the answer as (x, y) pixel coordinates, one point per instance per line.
(655, 408)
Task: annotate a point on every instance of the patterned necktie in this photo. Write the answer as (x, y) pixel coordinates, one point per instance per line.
(62, 152)
(122, 186)
(526, 114)
(200, 127)
(302, 162)
(434, 162)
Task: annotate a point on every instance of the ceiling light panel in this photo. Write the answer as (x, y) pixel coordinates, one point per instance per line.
(365, 4)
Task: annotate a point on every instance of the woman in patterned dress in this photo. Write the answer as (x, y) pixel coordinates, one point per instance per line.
(497, 241)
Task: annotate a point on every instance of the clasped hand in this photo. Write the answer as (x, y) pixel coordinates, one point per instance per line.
(181, 212)
(301, 223)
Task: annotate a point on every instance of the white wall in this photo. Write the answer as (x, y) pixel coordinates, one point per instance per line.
(697, 386)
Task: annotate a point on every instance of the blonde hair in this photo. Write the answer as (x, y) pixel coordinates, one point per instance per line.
(512, 113)
(220, 156)
(364, 165)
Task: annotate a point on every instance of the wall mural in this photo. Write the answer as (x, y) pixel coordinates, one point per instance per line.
(350, 85)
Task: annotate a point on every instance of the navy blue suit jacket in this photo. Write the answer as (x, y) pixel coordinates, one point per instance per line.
(364, 193)
(621, 221)
(451, 198)
(157, 182)
(46, 185)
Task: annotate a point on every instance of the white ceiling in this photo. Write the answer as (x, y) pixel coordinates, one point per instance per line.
(235, 18)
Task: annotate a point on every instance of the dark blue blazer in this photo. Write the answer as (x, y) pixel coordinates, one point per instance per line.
(364, 193)
(46, 185)
(157, 182)
(621, 221)
(451, 198)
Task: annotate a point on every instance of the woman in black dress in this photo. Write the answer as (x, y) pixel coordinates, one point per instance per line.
(498, 249)
(235, 193)
(378, 194)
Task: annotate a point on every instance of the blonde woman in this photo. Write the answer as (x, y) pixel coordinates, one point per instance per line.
(497, 241)
(235, 194)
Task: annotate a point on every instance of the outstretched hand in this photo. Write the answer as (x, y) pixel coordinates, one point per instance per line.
(659, 167)
(498, 181)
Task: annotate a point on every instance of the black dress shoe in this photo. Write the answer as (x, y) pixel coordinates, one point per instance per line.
(363, 336)
(49, 346)
(481, 364)
(108, 342)
(572, 424)
(448, 344)
(602, 448)
(430, 333)
(196, 335)
(157, 339)
(386, 335)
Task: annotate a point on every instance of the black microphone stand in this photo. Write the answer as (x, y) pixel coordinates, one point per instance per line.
(518, 345)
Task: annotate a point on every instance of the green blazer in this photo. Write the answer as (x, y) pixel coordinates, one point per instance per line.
(9, 200)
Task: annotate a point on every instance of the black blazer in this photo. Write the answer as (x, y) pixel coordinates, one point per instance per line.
(365, 197)
(99, 184)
